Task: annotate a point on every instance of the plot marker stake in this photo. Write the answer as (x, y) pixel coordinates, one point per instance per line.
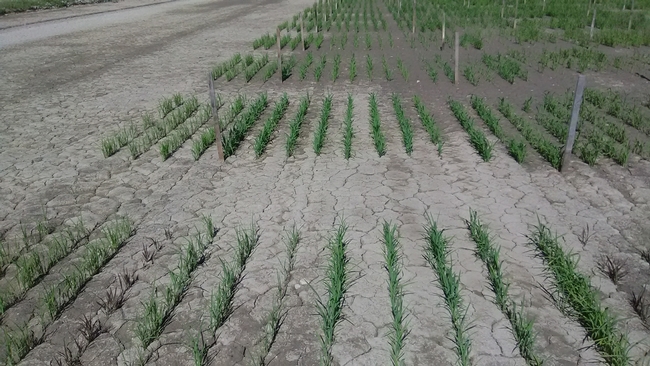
(215, 117)
(457, 46)
(277, 34)
(575, 114)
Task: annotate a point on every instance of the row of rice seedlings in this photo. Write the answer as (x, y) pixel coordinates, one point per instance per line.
(318, 41)
(336, 67)
(432, 72)
(337, 282)
(177, 138)
(209, 136)
(369, 67)
(270, 70)
(251, 71)
(167, 105)
(469, 73)
(428, 122)
(449, 71)
(506, 67)
(476, 136)
(388, 73)
(271, 123)
(318, 70)
(156, 315)
(236, 134)
(29, 237)
(399, 328)
(140, 145)
(403, 69)
(22, 340)
(110, 145)
(295, 42)
(323, 122)
(226, 66)
(296, 124)
(583, 58)
(287, 67)
(488, 252)
(375, 127)
(549, 151)
(348, 132)
(576, 295)
(404, 124)
(284, 40)
(34, 265)
(471, 38)
(353, 68)
(516, 149)
(266, 40)
(274, 318)
(617, 106)
(438, 255)
(304, 67)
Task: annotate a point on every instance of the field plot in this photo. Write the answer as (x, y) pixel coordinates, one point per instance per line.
(378, 202)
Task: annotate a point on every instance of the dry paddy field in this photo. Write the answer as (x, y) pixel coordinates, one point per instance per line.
(373, 208)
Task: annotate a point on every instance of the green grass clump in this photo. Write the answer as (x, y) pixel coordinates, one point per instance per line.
(404, 124)
(399, 328)
(336, 68)
(476, 136)
(506, 67)
(516, 149)
(295, 42)
(576, 293)
(319, 40)
(437, 254)
(296, 124)
(375, 127)
(449, 71)
(318, 70)
(545, 148)
(226, 66)
(348, 133)
(264, 137)
(432, 72)
(323, 122)
(337, 282)
(278, 310)
(287, 67)
(488, 252)
(209, 136)
(233, 137)
(427, 121)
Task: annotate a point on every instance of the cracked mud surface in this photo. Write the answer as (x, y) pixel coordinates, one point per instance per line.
(61, 95)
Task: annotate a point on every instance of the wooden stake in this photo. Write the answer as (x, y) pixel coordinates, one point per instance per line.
(629, 24)
(543, 7)
(457, 46)
(444, 20)
(575, 114)
(593, 22)
(279, 53)
(215, 117)
(413, 16)
(503, 8)
(516, 11)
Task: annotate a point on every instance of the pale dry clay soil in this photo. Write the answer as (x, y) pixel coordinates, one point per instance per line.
(59, 95)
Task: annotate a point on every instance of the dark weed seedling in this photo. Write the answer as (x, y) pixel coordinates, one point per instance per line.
(348, 133)
(613, 268)
(337, 282)
(404, 124)
(641, 306)
(375, 127)
(323, 123)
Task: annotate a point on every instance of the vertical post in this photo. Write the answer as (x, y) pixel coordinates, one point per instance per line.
(302, 31)
(589, 8)
(444, 20)
(457, 46)
(277, 34)
(215, 117)
(413, 16)
(316, 20)
(543, 7)
(503, 8)
(593, 22)
(629, 24)
(575, 114)
(514, 26)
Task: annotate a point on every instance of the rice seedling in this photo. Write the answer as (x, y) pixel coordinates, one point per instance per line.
(574, 290)
(235, 135)
(318, 70)
(223, 68)
(488, 252)
(19, 343)
(221, 301)
(375, 127)
(432, 72)
(318, 41)
(404, 124)
(336, 67)
(516, 149)
(321, 130)
(270, 70)
(399, 327)
(390, 40)
(353, 68)
(470, 74)
(337, 282)
(304, 67)
(437, 254)
(277, 313)
(348, 133)
(110, 145)
(368, 42)
(287, 67)
(284, 40)
(506, 67)
(476, 136)
(369, 67)
(449, 71)
(177, 138)
(271, 123)
(295, 42)
(527, 103)
(403, 69)
(309, 39)
(388, 73)
(427, 121)
(255, 67)
(296, 124)
(355, 41)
